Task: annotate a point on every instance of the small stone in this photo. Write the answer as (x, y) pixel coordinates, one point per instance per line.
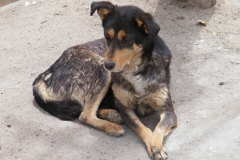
(57, 13)
(201, 23)
(221, 83)
(9, 125)
(27, 3)
(44, 21)
(180, 17)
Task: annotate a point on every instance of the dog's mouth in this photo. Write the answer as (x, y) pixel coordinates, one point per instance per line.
(115, 70)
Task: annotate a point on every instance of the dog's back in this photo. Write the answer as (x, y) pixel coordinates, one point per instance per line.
(72, 80)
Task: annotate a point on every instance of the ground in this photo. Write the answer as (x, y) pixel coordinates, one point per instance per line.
(205, 84)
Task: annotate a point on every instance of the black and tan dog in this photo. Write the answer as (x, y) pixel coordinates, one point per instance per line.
(129, 70)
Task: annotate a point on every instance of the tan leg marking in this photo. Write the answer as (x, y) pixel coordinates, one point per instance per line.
(167, 122)
(110, 114)
(144, 133)
(89, 116)
(158, 98)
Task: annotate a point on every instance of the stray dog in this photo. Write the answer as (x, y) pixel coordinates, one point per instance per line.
(128, 70)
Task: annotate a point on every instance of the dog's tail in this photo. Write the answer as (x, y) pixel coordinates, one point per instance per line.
(63, 109)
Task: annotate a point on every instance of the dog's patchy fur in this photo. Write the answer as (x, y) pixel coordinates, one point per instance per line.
(132, 59)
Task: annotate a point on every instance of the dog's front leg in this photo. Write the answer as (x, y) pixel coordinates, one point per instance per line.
(131, 119)
(168, 121)
(125, 101)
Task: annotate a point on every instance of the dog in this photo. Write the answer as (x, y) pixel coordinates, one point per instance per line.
(114, 79)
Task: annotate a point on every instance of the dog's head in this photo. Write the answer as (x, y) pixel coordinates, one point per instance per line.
(128, 30)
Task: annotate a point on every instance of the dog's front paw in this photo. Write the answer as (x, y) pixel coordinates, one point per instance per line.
(115, 130)
(158, 154)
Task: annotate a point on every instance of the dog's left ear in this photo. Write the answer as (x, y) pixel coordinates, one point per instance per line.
(147, 24)
(103, 8)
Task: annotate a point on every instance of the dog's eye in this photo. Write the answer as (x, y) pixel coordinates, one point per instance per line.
(126, 39)
(107, 35)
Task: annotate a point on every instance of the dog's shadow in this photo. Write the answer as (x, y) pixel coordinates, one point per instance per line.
(39, 108)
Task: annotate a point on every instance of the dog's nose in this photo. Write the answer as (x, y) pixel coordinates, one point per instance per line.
(109, 65)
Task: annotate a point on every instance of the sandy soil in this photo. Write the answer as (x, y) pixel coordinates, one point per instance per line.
(32, 37)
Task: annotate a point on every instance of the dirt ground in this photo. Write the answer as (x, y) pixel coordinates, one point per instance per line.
(205, 84)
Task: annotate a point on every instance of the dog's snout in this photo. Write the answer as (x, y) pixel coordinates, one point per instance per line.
(109, 65)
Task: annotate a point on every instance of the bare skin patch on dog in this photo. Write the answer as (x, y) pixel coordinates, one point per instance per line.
(121, 34)
(111, 33)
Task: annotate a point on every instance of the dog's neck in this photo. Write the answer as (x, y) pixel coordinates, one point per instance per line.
(144, 71)
(157, 58)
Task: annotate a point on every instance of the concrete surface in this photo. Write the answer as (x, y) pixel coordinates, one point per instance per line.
(32, 37)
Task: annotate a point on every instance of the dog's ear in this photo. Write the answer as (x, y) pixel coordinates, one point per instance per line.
(104, 8)
(147, 24)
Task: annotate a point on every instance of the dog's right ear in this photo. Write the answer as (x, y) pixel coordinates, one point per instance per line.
(148, 24)
(104, 8)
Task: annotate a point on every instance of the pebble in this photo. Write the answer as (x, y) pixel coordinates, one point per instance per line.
(44, 21)
(27, 3)
(9, 125)
(221, 83)
(180, 17)
(57, 13)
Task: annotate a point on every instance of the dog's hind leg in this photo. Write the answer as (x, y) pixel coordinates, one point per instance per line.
(168, 121)
(89, 115)
(110, 115)
(107, 109)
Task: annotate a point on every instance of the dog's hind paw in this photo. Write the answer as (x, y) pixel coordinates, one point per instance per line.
(114, 116)
(110, 115)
